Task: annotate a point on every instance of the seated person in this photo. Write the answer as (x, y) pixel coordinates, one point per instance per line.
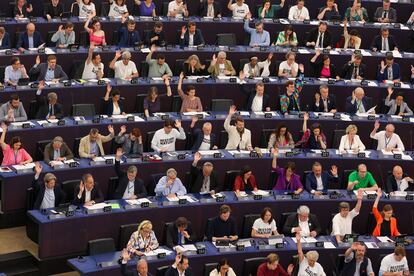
(253, 68)
(351, 39)
(322, 68)
(94, 68)
(86, 8)
(324, 101)
(386, 222)
(193, 67)
(170, 185)
(287, 38)
(13, 110)
(312, 138)
(29, 39)
(238, 136)
(355, 258)
(387, 139)
(14, 72)
(385, 14)
(50, 71)
(13, 154)
(156, 36)
(143, 240)
(222, 227)
(384, 41)
(320, 37)
(177, 8)
(397, 106)
(141, 267)
(361, 179)
(53, 9)
(87, 193)
(113, 105)
(239, 9)
(287, 180)
(329, 12)
(132, 142)
(158, 68)
(258, 36)
(180, 233)
(96, 34)
(281, 138)
(318, 180)
(210, 8)
(265, 226)
(299, 12)
(57, 150)
(191, 36)
(164, 138)
(90, 146)
(118, 8)
(223, 268)
(342, 222)
(308, 263)
(190, 102)
(47, 106)
(388, 70)
(180, 266)
(64, 36)
(358, 103)
(289, 68)
(257, 100)
(356, 12)
(129, 185)
(125, 68)
(398, 181)
(22, 9)
(128, 35)
(203, 139)
(395, 263)
(267, 10)
(290, 101)
(220, 66)
(146, 8)
(152, 103)
(273, 267)
(50, 194)
(351, 141)
(204, 179)
(245, 181)
(303, 223)
(4, 39)
(354, 69)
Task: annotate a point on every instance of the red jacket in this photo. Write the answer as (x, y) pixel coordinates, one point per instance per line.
(262, 270)
(239, 184)
(379, 219)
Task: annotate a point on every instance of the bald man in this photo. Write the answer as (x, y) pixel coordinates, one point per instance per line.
(29, 39)
(398, 181)
(140, 270)
(203, 139)
(357, 103)
(387, 139)
(361, 179)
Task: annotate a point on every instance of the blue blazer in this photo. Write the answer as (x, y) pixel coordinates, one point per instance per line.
(198, 39)
(311, 183)
(395, 73)
(123, 38)
(23, 41)
(5, 43)
(198, 136)
(352, 108)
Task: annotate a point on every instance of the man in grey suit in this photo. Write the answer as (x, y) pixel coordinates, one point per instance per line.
(49, 71)
(57, 150)
(13, 110)
(397, 106)
(385, 14)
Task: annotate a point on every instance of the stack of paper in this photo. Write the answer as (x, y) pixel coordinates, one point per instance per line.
(19, 124)
(261, 192)
(138, 119)
(120, 116)
(97, 206)
(245, 242)
(205, 114)
(158, 251)
(217, 195)
(274, 241)
(400, 193)
(365, 53)
(137, 201)
(329, 245)
(345, 117)
(387, 152)
(242, 194)
(371, 245)
(79, 118)
(305, 240)
(185, 248)
(24, 167)
(219, 246)
(172, 199)
(303, 51)
(208, 152)
(188, 198)
(384, 239)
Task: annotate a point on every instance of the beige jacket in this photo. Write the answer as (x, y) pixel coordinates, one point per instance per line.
(234, 137)
(214, 70)
(85, 144)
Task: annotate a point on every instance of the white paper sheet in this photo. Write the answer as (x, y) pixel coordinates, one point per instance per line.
(97, 206)
(24, 167)
(261, 192)
(158, 251)
(19, 124)
(188, 198)
(329, 245)
(185, 248)
(208, 152)
(384, 239)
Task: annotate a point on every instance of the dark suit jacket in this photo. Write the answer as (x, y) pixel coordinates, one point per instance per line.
(126, 272)
(331, 104)
(197, 180)
(40, 193)
(198, 38)
(313, 36)
(251, 93)
(311, 183)
(198, 137)
(123, 35)
(188, 71)
(172, 235)
(352, 108)
(139, 187)
(377, 43)
(109, 107)
(293, 221)
(52, 11)
(96, 195)
(392, 186)
(348, 70)
(173, 272)
(23, 41)
(43, 108)
(384, 76)
(5, 43)
(392, 14)
(64, 152)
(16, 11)
(161, 39)
(318, 66)
(42, 68)
(204, 9)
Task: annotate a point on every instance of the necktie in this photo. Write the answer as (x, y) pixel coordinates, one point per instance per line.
(389, 70)
(385, 14)
(131, 150)
(180, 241)
(205, 183)
(355, 73)
(321, 41)
(360, 109)
(129, 39)
(325, 105)
(385, 44)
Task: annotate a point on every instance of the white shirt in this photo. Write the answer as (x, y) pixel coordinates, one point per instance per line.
(239, 12)
(205, 145)
(221, 69)
(87, 195)
(389, 264)
(304, 226)
(116, 10)
(210, 10)
(319, 40)
(284, 67)
(116, 110)
(343, 225)
(230, 272)
(129, 190)
(48, 199)
(122, 71)
(384, 44)
(85, 10)
(264, 228)
(392, 142)
(297, 14)
(402, 184)
(319, 183)
(356, 144)
(174, 7)
(90, 70)
(257, 103)
(306, 270)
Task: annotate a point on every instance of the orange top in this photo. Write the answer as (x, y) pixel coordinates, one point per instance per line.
(379, 219)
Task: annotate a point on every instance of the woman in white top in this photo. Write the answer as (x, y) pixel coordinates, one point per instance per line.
(308, 263)
(265, 226)
(86, 8)
(223, 269)
(113, 105)
(118, 8)
(289, 68)
(351, 140)
(351, 39)
(239, 9)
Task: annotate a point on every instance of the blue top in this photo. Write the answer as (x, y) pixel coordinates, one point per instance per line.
(220, 228)
(146, 11)
(256, 38)
(176, 188)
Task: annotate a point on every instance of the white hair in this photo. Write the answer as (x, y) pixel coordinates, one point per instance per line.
(312, 255)
(303, 210)
(222, 54)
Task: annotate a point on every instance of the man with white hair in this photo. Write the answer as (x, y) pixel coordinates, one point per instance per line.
(57, 150)
(387, 139)
(220, 66)
(356, 263)
(357, 103)
(308, 263)
(303, 223)
(398, 181)
(204, 180)
(125, 68)
(170, 185)
(203, 139)
(140, 270)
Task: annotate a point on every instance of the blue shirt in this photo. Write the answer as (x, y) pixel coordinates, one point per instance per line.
(12, 75)
(176, 188)
(256, 38)
(48, 199)
(31, 42)
(50, 74)
(94, 149)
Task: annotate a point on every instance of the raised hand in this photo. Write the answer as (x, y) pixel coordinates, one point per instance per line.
(3, 126)
(111, 129)
(60, 29)
(301, 68)
(360, 194)
(317, 97)
(183, 30)
(379, 192)
(81, 187)
(334, 170)
(194, 120)
(275, 151)
(125, 255)
(390, 90)
(177, 124)
(37, 60)
(119, 153)
(118, 54)
(383, 65)
(306, 116)
(376, 124)
(412, 69)
(232, 110)
(197, 156)
(108, 87)
(38, 168)
(123, 129)
(318, 52)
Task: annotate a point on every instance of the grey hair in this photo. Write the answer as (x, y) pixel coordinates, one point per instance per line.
(222, 54)
(126, 54)
(312, 255)
(132, 169)
(171, 171)
(303, 209)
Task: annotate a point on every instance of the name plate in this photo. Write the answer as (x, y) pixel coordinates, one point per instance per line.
(371, 117)
(361, 154)
(289, 154)
(168, 47)
(364, 82)
(61, 122)
(165, 117)
(371, 196)
(74, 49)
(134, 81)
(55, 216)
(161, 255)
(73, 164)
(325, 154)
(182, 201)
(279, 245)
(405, 119)
(130, 119)
(41, 50)
(257, 197)
(144, 204)
(216, 19)
(337, 115)
(397, 84)
(333, 196)
(306, 21)
(265, 80)
(101, 82)
(107, 209)
(201, 250)
(397, 156)
(263, 48)
(254, 154)
(331, 81)
(409, 197)
(181, 156)
(268, 115)
(220, 198)
(200, 47)
(199, 80)
(8, 52)
(240, 247)
(295, 196)
(96, 120)
(233, 80)
(109, 161)
(319, 244)
(325, 51)
(294, 49)
(69, 213)
(26, 125)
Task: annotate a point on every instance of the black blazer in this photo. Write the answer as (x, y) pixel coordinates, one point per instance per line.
(313, 36)
(312, 184)
(96, 195)
(126, 272)
(318, 66)
(172, 235)
(204, 9)
(198, 137)
(173, 272)
(352, 108)
(251, 93)
(392, 186)
(331, 104)
(16, 11)
(348, 70)
(293, 221)
(123, 34)
(109, 107)
(23, 41)
(5, 43)
(198, 38)
(161, 39)
(197, 180)
(377, 43)
(188, 72)
(139, 187)
(43, 108)
(41, 71)
(54, 11)
(40, 193)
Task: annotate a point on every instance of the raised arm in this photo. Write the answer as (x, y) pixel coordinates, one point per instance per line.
(90, 52)
(299, 245)
(180, 86)
(275, 152)
(86, 25)
(359, 201)
(3, 136)
(108, 91)
(229, 5)
(374, 131)
(117, 56)
(377, 199)
(305, 122)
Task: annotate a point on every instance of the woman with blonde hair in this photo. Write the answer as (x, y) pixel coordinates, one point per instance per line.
(351, 141)
(193, 67)
(143, 240)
